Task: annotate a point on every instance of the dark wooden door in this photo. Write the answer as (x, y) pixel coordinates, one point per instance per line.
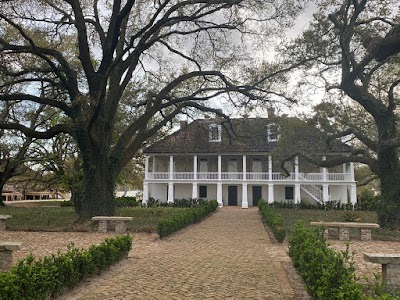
(232, 195)
(257, 194)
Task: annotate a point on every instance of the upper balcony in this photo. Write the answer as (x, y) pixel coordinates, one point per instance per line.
(250, 176)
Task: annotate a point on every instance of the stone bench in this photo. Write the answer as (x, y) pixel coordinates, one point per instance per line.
(390, 266)
(344, 234)
(120, 223)
(6, 250)
(3, 220)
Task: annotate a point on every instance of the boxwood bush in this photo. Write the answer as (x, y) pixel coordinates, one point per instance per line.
(327, 274)
(42, 278)
(169, 225)
(273, 219)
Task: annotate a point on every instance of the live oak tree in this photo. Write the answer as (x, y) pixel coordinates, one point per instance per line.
(170, 55)
(352, 47)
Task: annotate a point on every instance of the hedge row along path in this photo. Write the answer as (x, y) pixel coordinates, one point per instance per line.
(227, 256)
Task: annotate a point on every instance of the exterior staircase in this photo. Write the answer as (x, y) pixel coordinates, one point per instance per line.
(314, 192)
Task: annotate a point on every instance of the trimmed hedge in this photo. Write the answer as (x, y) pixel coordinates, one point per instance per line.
(42, 278)
(176, 222)
(328, 274)
(273, 219)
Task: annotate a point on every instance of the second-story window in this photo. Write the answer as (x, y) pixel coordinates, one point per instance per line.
(215, 133)
(272, 132)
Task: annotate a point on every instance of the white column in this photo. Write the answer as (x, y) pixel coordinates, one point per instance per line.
(154, 164)
(324, 171)
(195, 167)
(344, 168)
(245, 204)
(352, 178)
(219, 168)
(296, 169)
(297, 197)
(145, 193)
(244, 168)
(171, 167)
(325, 192)
(219, 194)
(269, 167)
(146, 167)
(353, 195)
(170, 193)
(271, 193)
(194, 191)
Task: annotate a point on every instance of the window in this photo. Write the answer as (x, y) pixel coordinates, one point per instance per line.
(289, 195)
(215, 133)
(272, 132)
(202, 191)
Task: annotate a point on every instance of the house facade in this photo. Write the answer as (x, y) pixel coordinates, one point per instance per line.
(233, 163)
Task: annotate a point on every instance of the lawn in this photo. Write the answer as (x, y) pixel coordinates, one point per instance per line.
(57, 218)
(291, 216)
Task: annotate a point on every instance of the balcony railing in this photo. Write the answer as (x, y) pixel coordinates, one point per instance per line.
(250, 176)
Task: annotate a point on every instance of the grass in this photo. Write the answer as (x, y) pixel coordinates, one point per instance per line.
(291, 216)
(64, 218)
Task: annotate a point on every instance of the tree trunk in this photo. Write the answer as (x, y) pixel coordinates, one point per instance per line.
(99, 171)
(1, 193)
(98, 187)
(389, 174)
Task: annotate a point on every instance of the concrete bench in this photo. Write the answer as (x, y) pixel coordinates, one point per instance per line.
(120, 223)
(3, 220)
(344, 234)
(390, 266)
(6, 250)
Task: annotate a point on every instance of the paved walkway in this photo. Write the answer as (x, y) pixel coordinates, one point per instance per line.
(227, 256)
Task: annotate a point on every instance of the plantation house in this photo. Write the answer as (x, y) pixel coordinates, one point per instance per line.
(232, 161)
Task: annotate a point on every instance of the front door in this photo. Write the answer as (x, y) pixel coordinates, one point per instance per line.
(232, 195)
(257, 194)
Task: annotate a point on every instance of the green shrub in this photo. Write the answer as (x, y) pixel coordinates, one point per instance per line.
(126, 202)
(273, 219)
(66, 204)
(42, 278)
(328, 275)
(184, 218)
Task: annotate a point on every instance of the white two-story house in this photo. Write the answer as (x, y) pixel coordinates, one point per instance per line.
(232, 163)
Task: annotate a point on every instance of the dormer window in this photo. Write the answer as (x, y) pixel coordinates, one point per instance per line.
(215, 133)
(272, 132)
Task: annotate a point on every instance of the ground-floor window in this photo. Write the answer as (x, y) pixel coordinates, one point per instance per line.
(289, 194)
(203, 191)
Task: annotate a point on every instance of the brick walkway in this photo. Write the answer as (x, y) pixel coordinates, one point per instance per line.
(227, 256)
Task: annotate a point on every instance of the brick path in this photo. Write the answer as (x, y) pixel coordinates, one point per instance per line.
(227, 256)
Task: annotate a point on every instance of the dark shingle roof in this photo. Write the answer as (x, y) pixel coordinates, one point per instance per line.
(238, 135)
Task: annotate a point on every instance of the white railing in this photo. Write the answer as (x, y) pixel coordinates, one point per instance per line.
(311, 176)
(158, 175)
(207, 175)
(183, 175)
(280, 176)
(257, 176)
(303, 177)
(231, 176)
(339, 177)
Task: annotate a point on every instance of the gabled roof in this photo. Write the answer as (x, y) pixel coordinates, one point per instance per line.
(238, 136)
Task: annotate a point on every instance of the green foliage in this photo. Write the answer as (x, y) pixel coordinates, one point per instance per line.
(273, 219)
(351, 216)
(126, 202)
(66, 204)
(367, 200)
(169, 225)
(328, 275)
(42, 278)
